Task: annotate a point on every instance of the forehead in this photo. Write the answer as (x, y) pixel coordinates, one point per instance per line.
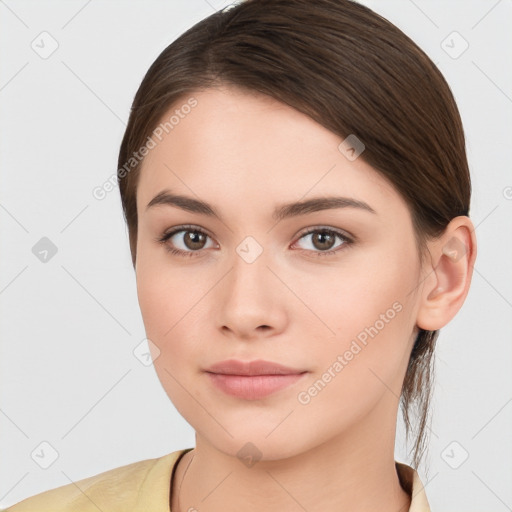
(235, 146)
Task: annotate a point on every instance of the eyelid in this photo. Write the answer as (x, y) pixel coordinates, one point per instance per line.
(186, 227)
(322, 227)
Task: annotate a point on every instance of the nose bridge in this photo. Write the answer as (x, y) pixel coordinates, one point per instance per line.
(251, 250)
(249, 298)
(250, 273)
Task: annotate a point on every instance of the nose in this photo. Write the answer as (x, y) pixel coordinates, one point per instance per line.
(251, 302)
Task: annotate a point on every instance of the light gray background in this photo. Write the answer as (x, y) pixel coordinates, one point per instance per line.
(69, 326)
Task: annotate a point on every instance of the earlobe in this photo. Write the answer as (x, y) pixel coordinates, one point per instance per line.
(446, 286)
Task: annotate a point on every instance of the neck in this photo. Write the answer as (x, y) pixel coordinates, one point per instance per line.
(354, 471)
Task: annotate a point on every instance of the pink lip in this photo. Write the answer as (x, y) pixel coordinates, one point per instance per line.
(252, 380)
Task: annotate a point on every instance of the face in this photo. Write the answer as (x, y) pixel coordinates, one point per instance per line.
(324, 290)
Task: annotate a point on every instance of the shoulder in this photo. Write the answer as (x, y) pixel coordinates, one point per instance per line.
(141, 483)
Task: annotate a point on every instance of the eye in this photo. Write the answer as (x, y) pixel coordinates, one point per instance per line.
(186, 240)
(324, 239)
(191, 240)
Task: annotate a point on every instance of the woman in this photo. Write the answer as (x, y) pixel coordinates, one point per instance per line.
(295, 184)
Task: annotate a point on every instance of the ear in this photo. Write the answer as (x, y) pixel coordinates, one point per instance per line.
(448, 275)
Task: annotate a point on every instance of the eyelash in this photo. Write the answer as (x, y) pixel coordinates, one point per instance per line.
(166, 236)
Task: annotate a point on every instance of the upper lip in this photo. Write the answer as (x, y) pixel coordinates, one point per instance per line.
(257, 367)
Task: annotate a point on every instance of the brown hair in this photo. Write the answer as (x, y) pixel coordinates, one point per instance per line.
(353, 72)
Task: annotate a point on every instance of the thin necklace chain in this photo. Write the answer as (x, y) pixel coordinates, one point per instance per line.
(181, 483)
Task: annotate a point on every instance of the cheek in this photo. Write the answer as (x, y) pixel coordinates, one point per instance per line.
(169, 316)
(365, 290)
(172, 303)
(363, 365)
(370, 311)
(153, 298)
(165, 295)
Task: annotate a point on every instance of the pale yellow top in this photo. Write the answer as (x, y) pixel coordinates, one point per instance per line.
(145, 487)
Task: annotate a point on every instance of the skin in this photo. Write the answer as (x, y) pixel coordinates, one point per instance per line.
(245, 154)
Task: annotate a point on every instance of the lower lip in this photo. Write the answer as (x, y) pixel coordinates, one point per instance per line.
(253, 387)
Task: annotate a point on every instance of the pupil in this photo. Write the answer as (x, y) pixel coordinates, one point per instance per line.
(322, 237)
(195, 240)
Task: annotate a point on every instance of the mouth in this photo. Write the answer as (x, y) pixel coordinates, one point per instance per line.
(252, 380)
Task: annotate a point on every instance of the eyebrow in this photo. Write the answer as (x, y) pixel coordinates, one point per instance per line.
(283, 211)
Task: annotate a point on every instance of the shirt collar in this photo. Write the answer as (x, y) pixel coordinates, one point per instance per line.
(408, 476)
(411, 483)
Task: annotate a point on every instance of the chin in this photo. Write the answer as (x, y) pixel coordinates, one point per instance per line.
(254, 445)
